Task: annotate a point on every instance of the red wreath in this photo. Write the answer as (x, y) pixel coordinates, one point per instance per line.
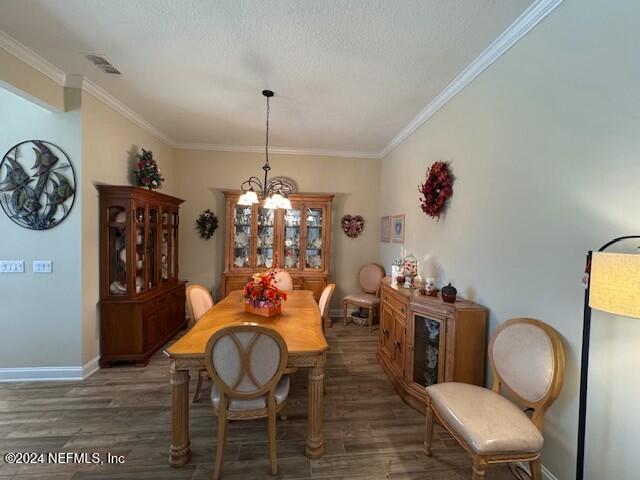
(437, 189)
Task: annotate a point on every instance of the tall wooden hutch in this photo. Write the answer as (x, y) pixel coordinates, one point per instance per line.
(300, 238)
(424, 340)
(141, 298)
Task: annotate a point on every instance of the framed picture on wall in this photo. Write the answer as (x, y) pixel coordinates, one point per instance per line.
(385, 229)
(397, 229)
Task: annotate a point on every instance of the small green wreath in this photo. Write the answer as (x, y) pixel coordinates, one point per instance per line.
(206, 224)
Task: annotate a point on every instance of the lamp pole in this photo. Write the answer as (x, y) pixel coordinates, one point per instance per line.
(584, 365)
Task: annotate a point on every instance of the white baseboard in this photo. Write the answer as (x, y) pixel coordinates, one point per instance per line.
(339, 312)
(49, 374)
(546, 474)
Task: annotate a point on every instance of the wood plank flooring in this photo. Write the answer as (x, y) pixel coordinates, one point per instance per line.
(369, 432)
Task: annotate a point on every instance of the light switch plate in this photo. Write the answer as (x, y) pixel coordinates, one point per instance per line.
(11, 266)
(42, 266)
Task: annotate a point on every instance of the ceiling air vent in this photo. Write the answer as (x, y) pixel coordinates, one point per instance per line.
(103, 64)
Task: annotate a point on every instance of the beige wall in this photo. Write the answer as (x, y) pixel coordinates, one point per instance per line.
(40, 313)
(201, 175)
(545, 148)
(27, 82)
(109, 145)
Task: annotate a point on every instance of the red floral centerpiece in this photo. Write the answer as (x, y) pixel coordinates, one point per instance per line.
(262, 297)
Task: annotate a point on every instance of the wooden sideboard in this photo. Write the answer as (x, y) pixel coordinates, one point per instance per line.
(300, 238)
(141, 298)
(424, 340)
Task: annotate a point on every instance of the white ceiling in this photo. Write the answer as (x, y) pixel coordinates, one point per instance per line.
(348, 74)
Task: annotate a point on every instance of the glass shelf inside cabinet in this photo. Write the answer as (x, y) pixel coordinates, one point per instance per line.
(141, 215)
(241, 236)
(427, 351)
(292, 222)
(315, 219)
(117, 251)
(265, 240)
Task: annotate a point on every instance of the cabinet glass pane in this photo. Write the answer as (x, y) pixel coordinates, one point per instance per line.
(117, 251)
(152, 256)
(315, 219)
(292, 222)
(241, 236)
(265, 240)
(173, 252)
(164, 253)
(141, 214)
(427, 351)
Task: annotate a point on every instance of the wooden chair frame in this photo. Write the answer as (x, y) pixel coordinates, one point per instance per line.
(202, 373)
(326, 315)
(228, 393)
(537, 408)
(372, 310)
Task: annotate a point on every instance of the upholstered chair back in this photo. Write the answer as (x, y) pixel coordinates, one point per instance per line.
(284, 281)
(370, 277)
(246, 360)
(325, 300)
(199, 300)
(527, 359)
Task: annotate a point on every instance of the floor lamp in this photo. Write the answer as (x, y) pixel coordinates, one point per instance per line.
(613, 285)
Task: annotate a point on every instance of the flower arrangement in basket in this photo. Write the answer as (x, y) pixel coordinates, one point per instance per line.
(262, 296)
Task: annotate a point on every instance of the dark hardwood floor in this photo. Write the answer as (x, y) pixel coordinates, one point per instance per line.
(369, 432)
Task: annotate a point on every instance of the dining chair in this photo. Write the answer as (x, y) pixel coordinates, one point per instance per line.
(246, 363)
(527, 360)
(199, 300)
(325, 304)
(369, 278)
(283, 280)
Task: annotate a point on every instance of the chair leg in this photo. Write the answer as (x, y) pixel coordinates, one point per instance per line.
(478, 470)
(345, 304)
(222, 437)
(196, 395)
(428, 434)
(536, 469)
(370, 319)
(272, 435)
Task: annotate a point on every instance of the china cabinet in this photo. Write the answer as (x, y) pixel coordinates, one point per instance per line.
(298, 239)
(424, 340)
(141, 298)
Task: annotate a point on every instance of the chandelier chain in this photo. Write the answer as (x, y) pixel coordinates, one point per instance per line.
(266, 143)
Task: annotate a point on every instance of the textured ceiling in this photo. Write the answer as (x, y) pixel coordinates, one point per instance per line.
(348, 74)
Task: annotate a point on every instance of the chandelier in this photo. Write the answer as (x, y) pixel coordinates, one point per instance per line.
(274, 193)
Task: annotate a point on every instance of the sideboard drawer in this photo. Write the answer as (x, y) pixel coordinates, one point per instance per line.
(396, 303)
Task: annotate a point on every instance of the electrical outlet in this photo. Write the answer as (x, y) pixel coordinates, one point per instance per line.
(11, 266)
(42, 266)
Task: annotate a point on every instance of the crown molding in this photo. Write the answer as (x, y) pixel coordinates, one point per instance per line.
(533, 15)
(112, 102)
(278, 150)
(31, 58)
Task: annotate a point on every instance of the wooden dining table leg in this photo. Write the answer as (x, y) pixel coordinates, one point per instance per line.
(180, 450)
(315, 435)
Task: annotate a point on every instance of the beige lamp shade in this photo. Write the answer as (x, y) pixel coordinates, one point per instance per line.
(615, 283)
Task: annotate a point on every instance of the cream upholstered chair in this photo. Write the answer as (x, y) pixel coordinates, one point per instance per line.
(325, 304)
(283, 280)
(199, 300)
(369, 277)
(527, 360)
(246, 362)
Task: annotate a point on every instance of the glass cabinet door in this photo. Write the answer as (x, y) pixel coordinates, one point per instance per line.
(173, 246)
(242, 218)
(164, 248)
(117, 250)
(152, 248)
(141, 248)
(292, 238)
(314, 254)
(265, 241)
(428, 350)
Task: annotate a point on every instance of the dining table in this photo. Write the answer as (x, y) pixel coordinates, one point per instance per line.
(299, 324)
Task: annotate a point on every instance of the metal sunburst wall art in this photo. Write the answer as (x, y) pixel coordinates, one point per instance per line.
(37, 184)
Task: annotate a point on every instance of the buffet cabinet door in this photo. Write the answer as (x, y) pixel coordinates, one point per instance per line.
(387, 335)
(426, 344)
(315, 245)
(241, 237)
